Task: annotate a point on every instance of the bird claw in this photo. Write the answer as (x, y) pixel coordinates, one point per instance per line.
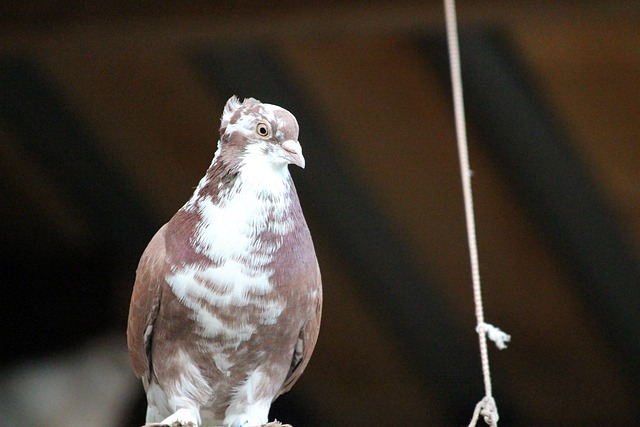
(173, 424)
(276, 423)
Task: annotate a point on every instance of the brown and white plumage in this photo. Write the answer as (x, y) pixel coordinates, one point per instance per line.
(226, 306)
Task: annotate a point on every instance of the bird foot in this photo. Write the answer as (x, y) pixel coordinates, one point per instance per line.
(276, 423)
(173, 424)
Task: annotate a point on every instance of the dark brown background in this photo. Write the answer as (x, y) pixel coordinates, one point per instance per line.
(109, 114)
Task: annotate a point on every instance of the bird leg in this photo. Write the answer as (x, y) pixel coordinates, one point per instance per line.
(173, 424)
(181, 418)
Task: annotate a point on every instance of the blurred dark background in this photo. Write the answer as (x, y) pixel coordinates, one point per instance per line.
(109, 113)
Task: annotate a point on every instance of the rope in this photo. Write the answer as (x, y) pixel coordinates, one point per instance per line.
(487, 406)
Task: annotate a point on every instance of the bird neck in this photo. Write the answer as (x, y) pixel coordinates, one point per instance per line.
(227, 177)
(236, 212)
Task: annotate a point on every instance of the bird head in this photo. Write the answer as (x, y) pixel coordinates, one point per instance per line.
(258, 132)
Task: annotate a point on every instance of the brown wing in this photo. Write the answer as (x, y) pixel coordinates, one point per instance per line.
(145, 303)
(306, 341)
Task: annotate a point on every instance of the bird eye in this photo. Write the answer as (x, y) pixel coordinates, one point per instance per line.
(262, 129)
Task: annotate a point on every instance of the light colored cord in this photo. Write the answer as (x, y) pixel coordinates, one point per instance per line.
(487, 406)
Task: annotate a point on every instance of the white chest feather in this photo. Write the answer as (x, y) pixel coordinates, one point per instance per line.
(239, 275)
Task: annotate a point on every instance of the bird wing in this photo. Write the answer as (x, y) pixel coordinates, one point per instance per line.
(145, 303)
(306, 340)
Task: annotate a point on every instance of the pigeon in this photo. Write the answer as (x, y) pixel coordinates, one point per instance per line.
(227, 300)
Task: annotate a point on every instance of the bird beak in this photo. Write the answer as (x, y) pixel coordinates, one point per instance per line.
(293, 152)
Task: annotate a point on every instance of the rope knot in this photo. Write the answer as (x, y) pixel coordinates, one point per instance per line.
(489, 411)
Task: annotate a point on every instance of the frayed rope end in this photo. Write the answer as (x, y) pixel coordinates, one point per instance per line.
(495, 334)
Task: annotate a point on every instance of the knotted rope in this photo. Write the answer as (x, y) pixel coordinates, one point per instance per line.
(487, 406)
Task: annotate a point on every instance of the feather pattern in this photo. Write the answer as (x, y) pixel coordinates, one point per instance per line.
(226, 306)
